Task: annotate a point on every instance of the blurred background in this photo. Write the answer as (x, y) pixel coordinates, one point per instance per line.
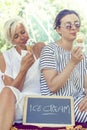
(39, 16)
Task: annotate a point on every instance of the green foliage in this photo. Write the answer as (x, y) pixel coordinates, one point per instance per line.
(39, 16)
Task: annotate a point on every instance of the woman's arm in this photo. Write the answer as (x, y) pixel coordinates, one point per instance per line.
(2, 63)
(18, 82)
(57, 80)
(37, 48)
(26, 63)
(85, 84)
(83, 104)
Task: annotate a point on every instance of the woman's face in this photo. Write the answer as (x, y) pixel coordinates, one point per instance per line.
(20, 36)
(70, 25)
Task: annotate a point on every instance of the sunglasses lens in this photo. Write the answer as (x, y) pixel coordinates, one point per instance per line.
(68, 26)
(77, 25)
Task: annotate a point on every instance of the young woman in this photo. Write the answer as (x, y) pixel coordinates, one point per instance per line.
(19, 72)
(63, 66)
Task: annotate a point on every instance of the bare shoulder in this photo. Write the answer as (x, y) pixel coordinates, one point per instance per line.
(37, 48)
(2, 63)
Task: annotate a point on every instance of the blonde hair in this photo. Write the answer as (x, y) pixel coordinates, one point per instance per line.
(10, 27)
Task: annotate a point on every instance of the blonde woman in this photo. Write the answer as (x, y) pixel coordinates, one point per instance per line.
(19, 72)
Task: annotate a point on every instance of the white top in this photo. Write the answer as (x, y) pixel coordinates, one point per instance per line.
(1, 81)
(32, 81)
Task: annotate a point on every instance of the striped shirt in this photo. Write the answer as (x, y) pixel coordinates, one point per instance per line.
(55, 57)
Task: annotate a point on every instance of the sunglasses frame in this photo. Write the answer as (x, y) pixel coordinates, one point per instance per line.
(69, 25)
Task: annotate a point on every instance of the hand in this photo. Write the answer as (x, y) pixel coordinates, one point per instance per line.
(76, 55)
(27, 62)
(83, 104)
(7, 80)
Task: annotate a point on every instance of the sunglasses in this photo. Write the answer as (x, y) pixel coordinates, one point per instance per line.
(69, 25)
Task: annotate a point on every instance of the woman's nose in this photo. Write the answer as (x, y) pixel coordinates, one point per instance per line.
(21, 36)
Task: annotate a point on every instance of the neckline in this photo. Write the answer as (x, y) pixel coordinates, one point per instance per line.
(66, 51)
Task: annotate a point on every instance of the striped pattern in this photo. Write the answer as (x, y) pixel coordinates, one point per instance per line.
(55, 57)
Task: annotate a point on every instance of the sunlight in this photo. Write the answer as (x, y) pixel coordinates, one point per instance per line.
(37, 11)
(40, 10)
(40, 15)
(82, 5)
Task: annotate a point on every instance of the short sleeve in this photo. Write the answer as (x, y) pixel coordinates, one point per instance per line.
(48, 58)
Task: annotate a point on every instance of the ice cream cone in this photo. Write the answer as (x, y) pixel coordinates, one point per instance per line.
(80, 39)
(29, 48)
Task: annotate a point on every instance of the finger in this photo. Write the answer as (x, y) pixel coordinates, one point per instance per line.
(83, 105)
(31, 60)
(79, 51)
(80, 56)
(29, 56)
